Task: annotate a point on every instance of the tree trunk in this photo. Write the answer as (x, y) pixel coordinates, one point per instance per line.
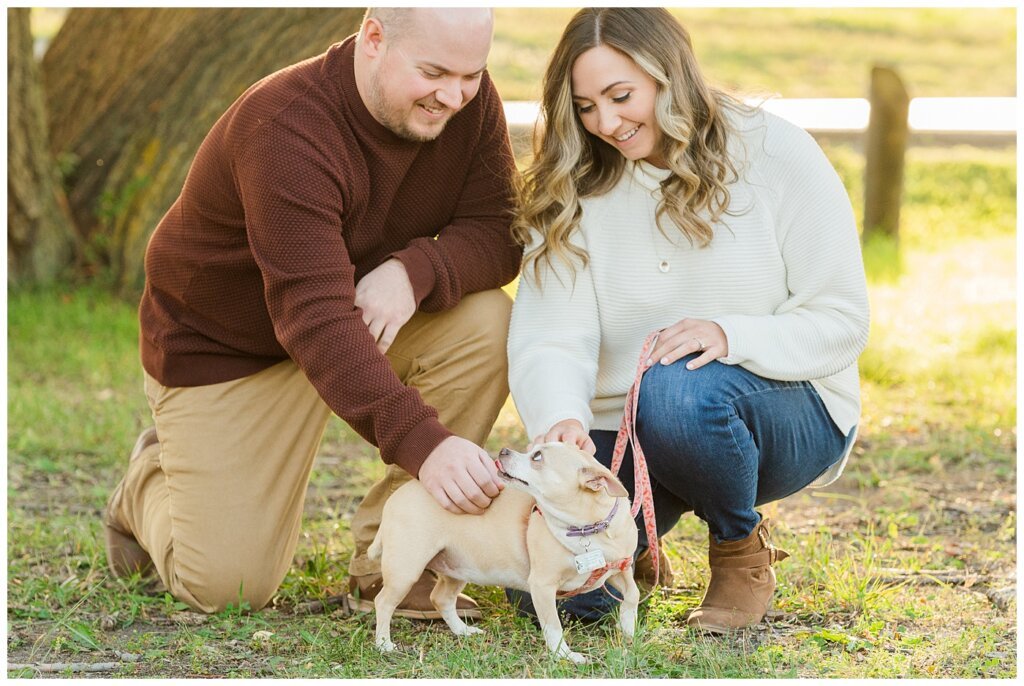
(133, 92)
(40, 241)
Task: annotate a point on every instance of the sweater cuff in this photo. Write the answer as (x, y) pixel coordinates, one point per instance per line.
(538, 421)
(420, 270)
(735, 356)
(417, 445)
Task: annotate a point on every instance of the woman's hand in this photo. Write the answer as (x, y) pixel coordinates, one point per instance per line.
(690, 336)
(568, 431)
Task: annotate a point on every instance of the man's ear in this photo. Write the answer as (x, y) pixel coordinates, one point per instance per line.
(371, 37)
(597, 478)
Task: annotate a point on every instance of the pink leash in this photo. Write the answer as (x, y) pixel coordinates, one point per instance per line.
(642, 495)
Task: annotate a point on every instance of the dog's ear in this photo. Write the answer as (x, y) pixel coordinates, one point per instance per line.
(597, 478)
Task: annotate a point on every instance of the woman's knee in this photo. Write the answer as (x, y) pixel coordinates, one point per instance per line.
(712, 384)
(672, 396)
(686, 415)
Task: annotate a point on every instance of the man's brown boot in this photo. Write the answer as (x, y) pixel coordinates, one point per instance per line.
(643, 570)
(124, 554)
(742, 582)
(417, 605)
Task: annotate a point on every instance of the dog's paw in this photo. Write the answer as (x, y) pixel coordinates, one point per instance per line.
(467, 631)
(577, 658)
(386, 646)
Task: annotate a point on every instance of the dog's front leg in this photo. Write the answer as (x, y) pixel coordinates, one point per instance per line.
(626, 585)
(550, 625)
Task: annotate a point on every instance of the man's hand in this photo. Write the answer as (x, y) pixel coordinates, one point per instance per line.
(461, 476)
(386, 298)
(568, 431)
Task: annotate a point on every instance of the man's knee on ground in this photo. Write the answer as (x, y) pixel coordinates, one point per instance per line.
(218, 588)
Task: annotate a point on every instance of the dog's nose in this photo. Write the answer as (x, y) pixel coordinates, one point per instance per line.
(504, 452)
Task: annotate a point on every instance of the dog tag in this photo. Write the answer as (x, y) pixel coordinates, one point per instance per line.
(589, 561)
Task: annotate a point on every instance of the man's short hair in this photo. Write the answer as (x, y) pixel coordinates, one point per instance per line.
(395, 20)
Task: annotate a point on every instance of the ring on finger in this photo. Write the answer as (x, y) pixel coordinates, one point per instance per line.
(700, 344)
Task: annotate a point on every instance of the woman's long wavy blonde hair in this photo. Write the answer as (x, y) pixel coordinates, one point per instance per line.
(569, 163)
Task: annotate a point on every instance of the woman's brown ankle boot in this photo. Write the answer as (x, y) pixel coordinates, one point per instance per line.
(742, 582)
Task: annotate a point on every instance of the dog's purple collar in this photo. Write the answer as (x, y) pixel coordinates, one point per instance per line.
(596, 527)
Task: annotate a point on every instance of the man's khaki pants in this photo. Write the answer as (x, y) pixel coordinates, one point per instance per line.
(218, 502)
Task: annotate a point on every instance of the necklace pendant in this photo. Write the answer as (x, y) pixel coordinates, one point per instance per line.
(664, 266)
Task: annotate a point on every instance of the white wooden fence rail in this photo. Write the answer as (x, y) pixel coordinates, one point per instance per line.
(927, 115)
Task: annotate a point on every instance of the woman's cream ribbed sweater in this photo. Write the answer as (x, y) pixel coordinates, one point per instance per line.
(783, 277)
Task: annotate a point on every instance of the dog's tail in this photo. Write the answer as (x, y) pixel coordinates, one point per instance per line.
(375, 549)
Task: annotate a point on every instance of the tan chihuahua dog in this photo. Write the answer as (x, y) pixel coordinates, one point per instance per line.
(564, 528)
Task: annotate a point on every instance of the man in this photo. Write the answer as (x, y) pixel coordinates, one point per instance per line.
(338, 246)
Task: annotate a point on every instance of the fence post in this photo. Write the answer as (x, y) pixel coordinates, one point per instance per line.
(885, 149)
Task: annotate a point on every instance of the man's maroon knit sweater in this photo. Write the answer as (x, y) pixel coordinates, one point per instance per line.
(295, 194)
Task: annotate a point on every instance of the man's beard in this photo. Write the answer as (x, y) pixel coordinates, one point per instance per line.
(391, 117)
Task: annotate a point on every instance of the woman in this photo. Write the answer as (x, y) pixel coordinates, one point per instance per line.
(658, 203)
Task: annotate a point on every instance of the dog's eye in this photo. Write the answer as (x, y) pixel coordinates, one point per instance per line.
(537, 456)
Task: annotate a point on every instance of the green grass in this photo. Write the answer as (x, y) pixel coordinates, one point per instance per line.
(801, 53)
(930, 487)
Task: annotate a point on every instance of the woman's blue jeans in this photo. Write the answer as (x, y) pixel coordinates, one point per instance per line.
(718, 441)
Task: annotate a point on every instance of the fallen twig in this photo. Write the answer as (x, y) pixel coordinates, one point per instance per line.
(956, 577)
(60, 667)
(976, 583)
(315, 606)
(61, 506)
(1000, 597)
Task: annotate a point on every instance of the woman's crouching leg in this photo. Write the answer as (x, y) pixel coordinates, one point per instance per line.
(724, 439)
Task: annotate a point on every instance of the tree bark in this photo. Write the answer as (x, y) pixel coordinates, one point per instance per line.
(133, 92)
(40, 241)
